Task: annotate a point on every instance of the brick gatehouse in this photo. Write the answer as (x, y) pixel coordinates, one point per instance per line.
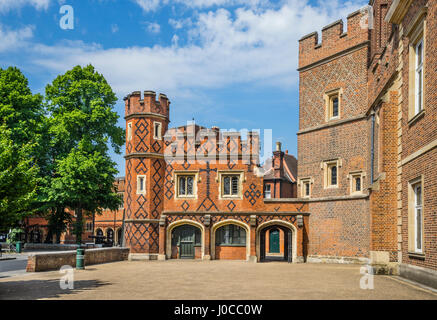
(364, 185)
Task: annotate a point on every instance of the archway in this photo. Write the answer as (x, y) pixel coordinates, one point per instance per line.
(119, 237)
(284, 237)
(230, 240)
(110, 236)
(172, 248)
(186, 242)
(99, 236)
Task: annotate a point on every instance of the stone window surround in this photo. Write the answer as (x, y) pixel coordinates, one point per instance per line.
(352, 176)
(301, 184)
(416, 34)
(159, 136)
(328, 98)
(143, 192)
(325, 165)
(219, 179)
(129, 131)
(412, 217)
(175, 179)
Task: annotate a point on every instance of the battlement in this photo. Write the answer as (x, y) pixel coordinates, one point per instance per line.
(147, 103)
(193, 140)
(334, 39)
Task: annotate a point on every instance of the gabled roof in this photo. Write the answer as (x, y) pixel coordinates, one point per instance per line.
(290, 168)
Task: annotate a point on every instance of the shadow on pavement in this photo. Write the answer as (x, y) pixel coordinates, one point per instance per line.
(43, 289)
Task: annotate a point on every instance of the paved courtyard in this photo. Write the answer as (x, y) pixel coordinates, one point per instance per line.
(221, 280)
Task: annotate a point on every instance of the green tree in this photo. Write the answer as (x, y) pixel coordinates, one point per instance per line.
(82, 128)
(18, 175)
(21, 115)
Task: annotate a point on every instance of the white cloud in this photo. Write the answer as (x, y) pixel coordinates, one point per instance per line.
(149, 5)
(153, 5)
(153, 27)
(225, 48)
(7, 5)
(12, 39)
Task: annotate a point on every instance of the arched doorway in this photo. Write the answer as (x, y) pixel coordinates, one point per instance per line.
(119, 237)
(276, 241)
(230, 240)
(99, 236)
(186, 242)
(110, 236)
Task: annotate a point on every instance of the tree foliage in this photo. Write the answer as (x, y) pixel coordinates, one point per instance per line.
(83, 127)
(21, 118)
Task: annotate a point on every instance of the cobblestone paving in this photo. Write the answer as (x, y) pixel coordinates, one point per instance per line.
(222, 280)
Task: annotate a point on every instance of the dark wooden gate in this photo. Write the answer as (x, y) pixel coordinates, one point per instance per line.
(186, 241)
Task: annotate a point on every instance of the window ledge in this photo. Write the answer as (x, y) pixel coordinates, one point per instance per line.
(331, 187)
(416, 117)
(231, 198)
(416, 255)
(230, 245)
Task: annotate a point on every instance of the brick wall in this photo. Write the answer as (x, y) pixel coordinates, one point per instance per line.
(418, 134)
(230, 253)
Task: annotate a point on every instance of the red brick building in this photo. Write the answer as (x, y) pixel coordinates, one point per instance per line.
(368, 136)
(364, 188)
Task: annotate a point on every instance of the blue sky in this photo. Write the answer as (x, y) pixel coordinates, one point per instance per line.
(229, 63)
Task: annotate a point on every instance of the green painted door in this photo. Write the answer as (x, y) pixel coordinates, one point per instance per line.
(274, 241)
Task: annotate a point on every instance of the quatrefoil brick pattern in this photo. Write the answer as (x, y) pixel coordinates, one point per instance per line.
(252, 194)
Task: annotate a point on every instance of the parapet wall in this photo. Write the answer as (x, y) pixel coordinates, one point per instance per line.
(135, 103)
(38, 262)
(334, 39)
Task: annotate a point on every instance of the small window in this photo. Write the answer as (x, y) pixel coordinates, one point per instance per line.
(157, 128)
(267, 191)
(357, 184)
(185, 186)
(418, 216)
(231, 234)
(231, 185)
(419, 77)
(307, 189)
(129, 131)
(141, 184)
(334, 106)
(333, 175)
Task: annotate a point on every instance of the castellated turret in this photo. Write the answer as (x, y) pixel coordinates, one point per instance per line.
(147, 120)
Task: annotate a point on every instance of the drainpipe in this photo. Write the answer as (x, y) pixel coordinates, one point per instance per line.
(372, 152)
